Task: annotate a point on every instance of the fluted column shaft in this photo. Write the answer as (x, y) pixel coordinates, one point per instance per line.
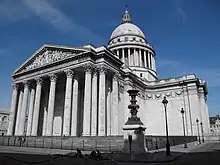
(68, 100)
(39, 82)
(114, 110)
(23, 109)
(13, 110)
(30, 112)
(94, 104)
(74, 106)
(51, 103)
(87, 101)
(102, 103)
(21, 93)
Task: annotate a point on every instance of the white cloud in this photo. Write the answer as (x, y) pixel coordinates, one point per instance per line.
(50, 14)
(55, 17)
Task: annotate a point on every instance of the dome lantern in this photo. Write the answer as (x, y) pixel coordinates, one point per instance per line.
(126, 17)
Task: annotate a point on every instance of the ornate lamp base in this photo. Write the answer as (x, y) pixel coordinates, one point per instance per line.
(138, 144)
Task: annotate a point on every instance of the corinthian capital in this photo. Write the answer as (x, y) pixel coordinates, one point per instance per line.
(88, 67)
(69, 73)
(39, 81)
(116, 76)
(26, 84)
(15, 86)
(53, 77)
(102, 69)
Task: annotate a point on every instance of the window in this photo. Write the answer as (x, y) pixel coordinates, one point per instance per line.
(134, 38)
(126, 38)
(141, 75)
(118, 39)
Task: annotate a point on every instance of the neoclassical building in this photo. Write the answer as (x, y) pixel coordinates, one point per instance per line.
(82, 91)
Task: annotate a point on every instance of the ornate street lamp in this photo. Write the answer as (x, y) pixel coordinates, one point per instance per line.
(197, 121)
(202, 132)
(182, 112)
(165, 102)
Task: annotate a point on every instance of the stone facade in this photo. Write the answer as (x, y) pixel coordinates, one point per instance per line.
(83, 91)
(215, 124)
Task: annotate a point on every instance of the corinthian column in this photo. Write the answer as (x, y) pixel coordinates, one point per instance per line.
(102, 102)
(74, 106)
(68, 100)
(13, 110)
(94, 104)
(30, 112)
(39, 82)
(87, 101)
(114, 111)
(24, 108)
(21, 93)
(50, 116)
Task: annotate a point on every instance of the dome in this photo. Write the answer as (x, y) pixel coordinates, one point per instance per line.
(127, 29)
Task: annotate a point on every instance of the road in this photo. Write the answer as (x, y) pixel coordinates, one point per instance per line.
(208, 154)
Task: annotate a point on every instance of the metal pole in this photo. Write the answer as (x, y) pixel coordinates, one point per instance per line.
(198, 133)
(202, 132)
(184, 133)
(167, 137)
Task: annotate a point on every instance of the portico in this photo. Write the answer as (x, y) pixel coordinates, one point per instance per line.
(61, 103)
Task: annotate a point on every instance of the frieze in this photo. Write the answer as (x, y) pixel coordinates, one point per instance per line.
(170, 94)
(50, 56)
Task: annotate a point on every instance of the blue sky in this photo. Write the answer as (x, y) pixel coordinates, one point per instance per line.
(184, 33)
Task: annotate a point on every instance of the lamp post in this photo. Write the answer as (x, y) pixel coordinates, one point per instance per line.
(197, 121)
(182, 112)
(202, 132)
(165, 102)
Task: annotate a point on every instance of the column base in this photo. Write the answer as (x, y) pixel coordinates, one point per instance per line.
(102, 135)
(94, 134)
(85, 134)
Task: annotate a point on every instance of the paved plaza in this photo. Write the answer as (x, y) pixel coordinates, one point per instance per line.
(194, 154)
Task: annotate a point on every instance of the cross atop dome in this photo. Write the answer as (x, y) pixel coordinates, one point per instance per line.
(126, 16)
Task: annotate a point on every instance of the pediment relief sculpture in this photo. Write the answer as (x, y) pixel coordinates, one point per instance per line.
(48, 57)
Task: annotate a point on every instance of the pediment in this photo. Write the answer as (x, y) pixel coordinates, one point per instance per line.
(47, 55)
